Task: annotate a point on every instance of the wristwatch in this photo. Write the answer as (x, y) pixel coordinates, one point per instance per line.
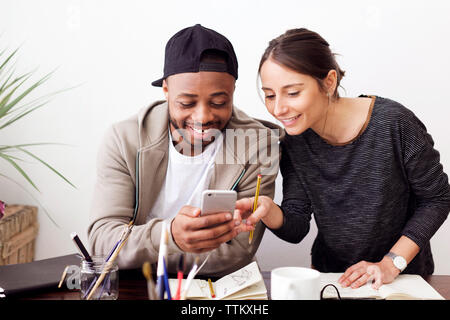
(399, 261)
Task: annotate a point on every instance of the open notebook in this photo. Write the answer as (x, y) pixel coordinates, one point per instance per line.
(244, 284)
(404, 287)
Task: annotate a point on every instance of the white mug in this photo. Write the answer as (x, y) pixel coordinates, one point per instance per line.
(295, 283)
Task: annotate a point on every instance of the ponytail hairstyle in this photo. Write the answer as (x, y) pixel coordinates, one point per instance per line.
(306, 52)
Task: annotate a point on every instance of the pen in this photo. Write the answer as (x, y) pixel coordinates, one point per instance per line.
(190, 276)
(124, 236)
(80, 247)
(211, 289)
(180, 276)
(107, 266)
(160, 286)
(162, 255)
(63, 276)
(255, 204)
(166, 280)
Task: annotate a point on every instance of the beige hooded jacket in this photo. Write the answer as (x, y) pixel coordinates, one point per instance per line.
(115, 189)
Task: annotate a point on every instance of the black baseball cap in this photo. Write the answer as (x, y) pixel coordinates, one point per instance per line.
(185, 48)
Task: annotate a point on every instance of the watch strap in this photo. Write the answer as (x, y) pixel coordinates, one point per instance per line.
(393, 256)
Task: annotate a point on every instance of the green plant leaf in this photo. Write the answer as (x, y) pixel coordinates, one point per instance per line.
(7, 59)
(15, 158)
(13, 107)
(3, 147)
(46, 164)
(8, 72)
(34, 198)
(7, 85)
(23, 114)
(18, 168)
(5, 106)
(30, 104)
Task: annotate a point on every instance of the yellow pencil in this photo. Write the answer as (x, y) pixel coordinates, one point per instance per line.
(213, 295)
(63, 276)
(255, 205)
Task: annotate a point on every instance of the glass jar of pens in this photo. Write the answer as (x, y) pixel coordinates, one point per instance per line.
(99, 275)
(91, 271)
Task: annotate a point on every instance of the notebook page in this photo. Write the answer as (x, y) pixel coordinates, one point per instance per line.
(411, 285)
(237, 280)
(365, 291)
(198, 289)
(255, 291)
(405, 286)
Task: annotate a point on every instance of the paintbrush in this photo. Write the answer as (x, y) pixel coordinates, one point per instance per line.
(147, 271)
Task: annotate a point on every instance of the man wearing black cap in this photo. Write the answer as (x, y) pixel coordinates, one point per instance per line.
(185, 145)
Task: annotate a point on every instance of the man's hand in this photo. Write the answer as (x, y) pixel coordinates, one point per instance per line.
(195, 233)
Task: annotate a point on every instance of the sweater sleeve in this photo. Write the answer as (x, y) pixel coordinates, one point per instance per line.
(113, 206)
(296, 206)
(427, 181)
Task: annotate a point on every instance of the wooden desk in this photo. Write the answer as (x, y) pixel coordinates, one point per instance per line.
(132, 286)
(441, 284)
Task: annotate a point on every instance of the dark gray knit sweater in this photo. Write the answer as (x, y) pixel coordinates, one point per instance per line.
(366, 194)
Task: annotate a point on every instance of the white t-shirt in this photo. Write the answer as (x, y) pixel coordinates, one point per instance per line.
(186, 178)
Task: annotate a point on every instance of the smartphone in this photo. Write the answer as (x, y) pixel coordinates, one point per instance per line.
(214, 201)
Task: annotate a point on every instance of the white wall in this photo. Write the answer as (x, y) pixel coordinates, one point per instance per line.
(114, 49)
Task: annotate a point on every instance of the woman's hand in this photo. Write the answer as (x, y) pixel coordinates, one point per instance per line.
(267, 211)
(362, 272)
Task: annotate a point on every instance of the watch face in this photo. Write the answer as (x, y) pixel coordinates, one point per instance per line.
(400, 262)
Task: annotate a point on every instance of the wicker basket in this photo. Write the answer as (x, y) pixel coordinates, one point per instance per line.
(18, 231)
